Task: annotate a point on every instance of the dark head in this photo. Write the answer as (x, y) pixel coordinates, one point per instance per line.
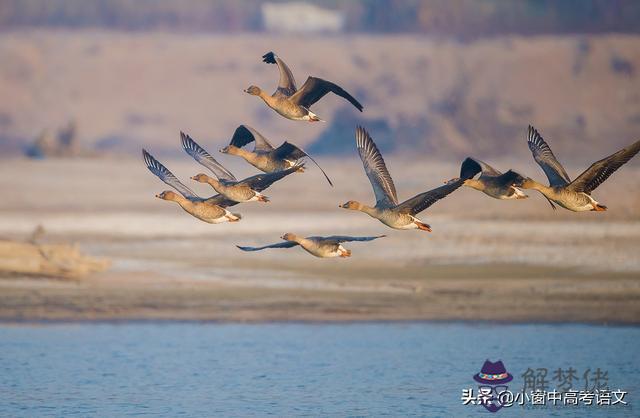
(253, 90)
(351, 204)
(167, 195)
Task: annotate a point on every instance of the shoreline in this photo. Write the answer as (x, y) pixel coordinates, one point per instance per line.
(319, 322)
(497, 294)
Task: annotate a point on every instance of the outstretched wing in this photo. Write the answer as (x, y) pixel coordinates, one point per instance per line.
(167, 176)
(376, 169)
(543, 155)
(346, 238)
(483, 167)
(260, 182)
(203, 157)
(288, 151)
(599, 171)
(221, 201)
(422, 201)
(283, 244)
(245, 134)
(315, 89)
(287, 84)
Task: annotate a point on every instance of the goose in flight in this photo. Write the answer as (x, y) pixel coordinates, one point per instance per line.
(492, 182)
(264, 156)
(322, 247)
(212, 210)
(573, 195)
(225, 183)
(387, 209)
(293, 103)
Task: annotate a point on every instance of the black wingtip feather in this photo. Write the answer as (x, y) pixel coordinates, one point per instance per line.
(533, 135)
(269, 58)
(193, 148)
(148, 158)
(188, 143)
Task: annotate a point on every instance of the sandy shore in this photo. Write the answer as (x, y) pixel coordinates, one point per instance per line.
(491, 292)
(485, 260)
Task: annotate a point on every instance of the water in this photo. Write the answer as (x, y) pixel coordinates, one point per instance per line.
(191, 369)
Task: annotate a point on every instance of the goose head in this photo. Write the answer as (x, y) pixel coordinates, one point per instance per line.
(253, 90)
(527, 183)
(201, 178)
(289, 237)
(167, 195)
(352, 205)
(230, 149)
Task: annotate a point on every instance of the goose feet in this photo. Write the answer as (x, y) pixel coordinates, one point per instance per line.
(423, 226)
(599, 208)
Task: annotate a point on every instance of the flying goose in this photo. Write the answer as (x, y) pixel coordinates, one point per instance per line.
(492, 182)
(211, 210)
(387, 209)
(573, 195)
(292, 103)
(247, 190)
(323, 247)
(264, 156)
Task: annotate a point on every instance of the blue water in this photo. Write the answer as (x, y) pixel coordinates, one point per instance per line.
(397, 369)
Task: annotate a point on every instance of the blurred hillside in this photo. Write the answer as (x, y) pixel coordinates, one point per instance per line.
(458, 18)
(421, 94)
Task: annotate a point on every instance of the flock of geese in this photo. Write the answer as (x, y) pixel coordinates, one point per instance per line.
(278, 162)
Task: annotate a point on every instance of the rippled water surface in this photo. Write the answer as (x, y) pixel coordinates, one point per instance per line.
(191, 369)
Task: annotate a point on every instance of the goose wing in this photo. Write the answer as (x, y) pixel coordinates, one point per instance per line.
(221, 201)
(599, 171)
(543, 155)
(315, 89)
(472, 166)
(376, 169)
(482, 166)
(283, 244)
(260, 182)
(199, 154)
(288, 151)
(337, 239)
(422, 201)
(287, 84)
(245, 134)
(167, 176)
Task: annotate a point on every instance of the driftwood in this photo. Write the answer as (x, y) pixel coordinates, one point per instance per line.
(50, 260)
